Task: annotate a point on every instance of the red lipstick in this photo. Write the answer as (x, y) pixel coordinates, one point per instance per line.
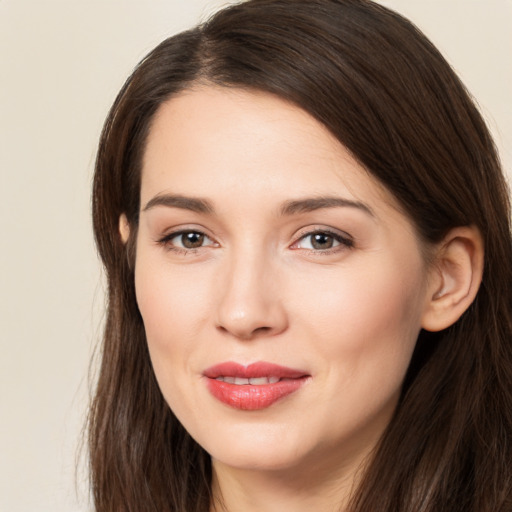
(252, 387)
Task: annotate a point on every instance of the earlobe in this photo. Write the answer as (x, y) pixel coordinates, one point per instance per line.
(124, 228)
(455, 278)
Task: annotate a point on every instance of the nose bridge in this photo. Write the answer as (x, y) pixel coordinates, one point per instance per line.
(250, 304)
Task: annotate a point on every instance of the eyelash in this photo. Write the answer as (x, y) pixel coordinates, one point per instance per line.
(166, 241)
(344, 241)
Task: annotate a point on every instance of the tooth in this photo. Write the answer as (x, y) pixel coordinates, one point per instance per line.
(258, 381)
(255, 381)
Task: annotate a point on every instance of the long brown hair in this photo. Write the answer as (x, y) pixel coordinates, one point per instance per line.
(386, 93)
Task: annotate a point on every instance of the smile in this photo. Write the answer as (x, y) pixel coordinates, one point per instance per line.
(252, 387)
(257, 381)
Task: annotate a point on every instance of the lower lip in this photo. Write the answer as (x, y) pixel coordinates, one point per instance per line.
(249, 397)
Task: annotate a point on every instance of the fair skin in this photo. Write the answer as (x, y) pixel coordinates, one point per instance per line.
(239, 260)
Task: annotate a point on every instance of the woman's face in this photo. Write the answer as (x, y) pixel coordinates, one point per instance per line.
(266, 254)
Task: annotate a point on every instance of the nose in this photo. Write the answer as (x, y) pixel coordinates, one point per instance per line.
(250, 304)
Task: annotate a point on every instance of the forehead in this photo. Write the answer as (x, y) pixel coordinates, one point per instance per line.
(221, 142)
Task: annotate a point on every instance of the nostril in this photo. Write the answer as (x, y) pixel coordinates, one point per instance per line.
(262, 330)
(246, 334)
(250, 316)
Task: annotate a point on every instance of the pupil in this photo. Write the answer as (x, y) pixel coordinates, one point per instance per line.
(192, 240)
(322, 241)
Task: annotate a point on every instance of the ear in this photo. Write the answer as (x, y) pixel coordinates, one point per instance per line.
(124, 228)
(455, 277)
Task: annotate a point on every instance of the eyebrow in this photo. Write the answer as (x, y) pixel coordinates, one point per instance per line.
(291, 207)
(317, 203)
(194, 204)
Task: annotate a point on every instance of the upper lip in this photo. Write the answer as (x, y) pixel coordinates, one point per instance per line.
(252, 371)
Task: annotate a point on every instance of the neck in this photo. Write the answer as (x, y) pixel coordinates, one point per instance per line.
(318, 487)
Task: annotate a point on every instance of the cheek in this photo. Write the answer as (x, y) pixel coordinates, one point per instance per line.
(361, 329)
(174, 308)
(368, 316)
(173, 305)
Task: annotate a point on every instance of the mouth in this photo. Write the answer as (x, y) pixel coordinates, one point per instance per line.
(256, 381)
(253, 387)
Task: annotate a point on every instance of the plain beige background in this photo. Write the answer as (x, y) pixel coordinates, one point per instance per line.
(61, 64)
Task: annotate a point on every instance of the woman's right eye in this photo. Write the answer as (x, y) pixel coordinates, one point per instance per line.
(186, 240)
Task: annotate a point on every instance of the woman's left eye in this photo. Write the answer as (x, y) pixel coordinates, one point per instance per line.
(322, 241)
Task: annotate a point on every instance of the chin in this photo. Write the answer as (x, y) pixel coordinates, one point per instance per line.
(257, 460)
(259, 448)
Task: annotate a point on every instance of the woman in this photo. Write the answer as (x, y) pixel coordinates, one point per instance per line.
(306, 236)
